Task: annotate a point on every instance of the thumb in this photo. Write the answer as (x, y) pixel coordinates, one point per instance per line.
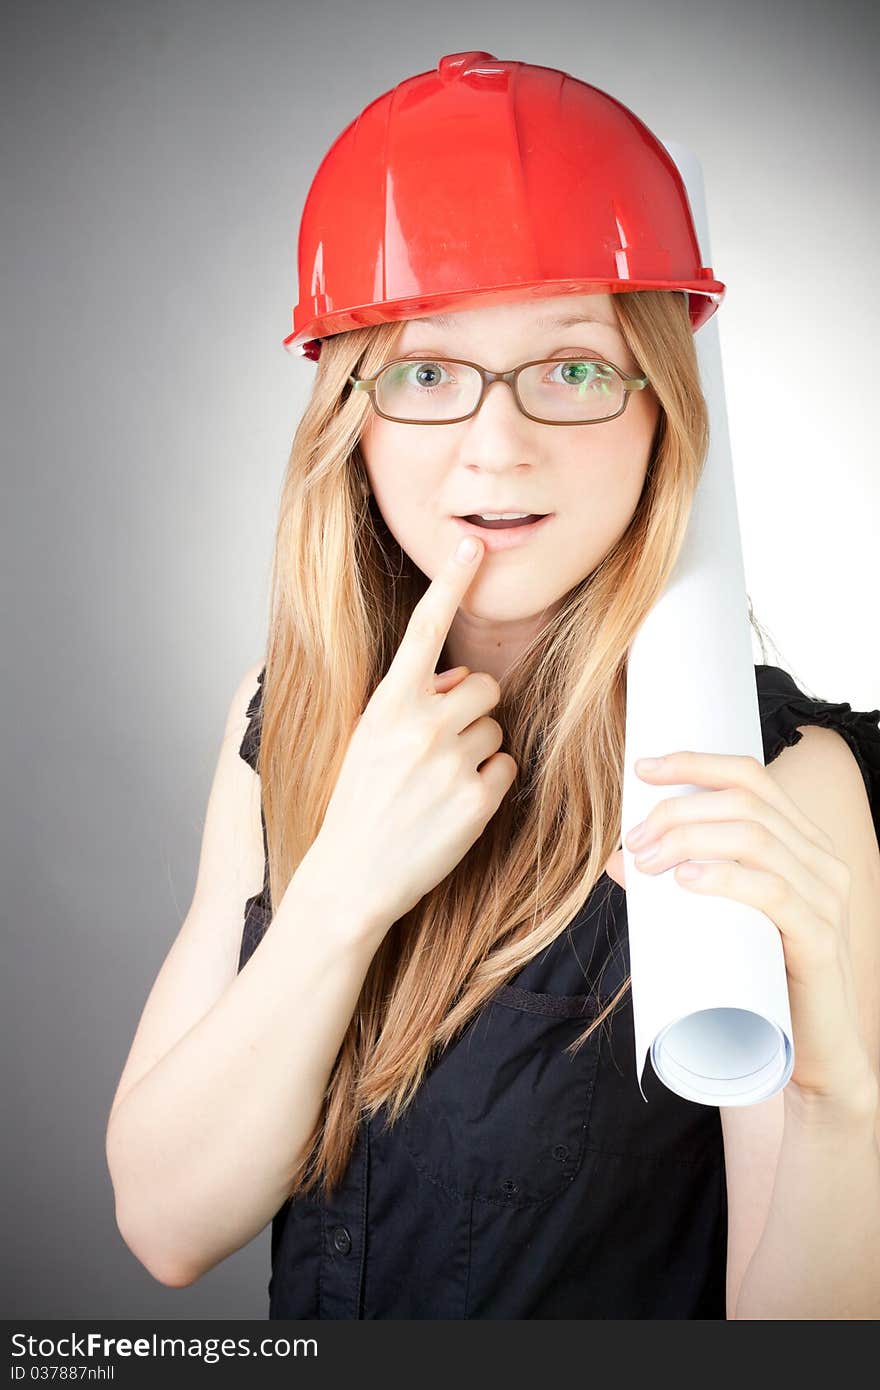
(444, 681)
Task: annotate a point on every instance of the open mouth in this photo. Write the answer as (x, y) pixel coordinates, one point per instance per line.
(504, 523)
(504, 533)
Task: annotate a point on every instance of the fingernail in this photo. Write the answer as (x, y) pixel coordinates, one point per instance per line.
(647, 764)
(650, 853)
(467, 549)
(637, 836)
(690, 870)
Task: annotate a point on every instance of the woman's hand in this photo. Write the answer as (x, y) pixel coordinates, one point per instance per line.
(423, 772)
(772, 857)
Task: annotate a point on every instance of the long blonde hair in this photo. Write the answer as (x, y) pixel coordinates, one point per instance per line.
(342, 591)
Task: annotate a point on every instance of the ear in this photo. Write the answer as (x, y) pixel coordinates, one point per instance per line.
(614, 867)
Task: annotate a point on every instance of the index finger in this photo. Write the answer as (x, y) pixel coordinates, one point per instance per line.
(416, 658)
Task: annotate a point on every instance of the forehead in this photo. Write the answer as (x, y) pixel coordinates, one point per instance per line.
(537, 316)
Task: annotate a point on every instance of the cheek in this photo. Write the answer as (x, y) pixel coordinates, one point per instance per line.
(615, 497)
(598, 514)
(387, 474)
(615, 482)
(604, 489)
(397, 488)
(404, 503)
(405, 481)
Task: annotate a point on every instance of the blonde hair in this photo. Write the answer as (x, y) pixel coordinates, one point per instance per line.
(342, 591)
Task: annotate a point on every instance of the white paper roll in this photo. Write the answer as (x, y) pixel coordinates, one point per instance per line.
(709, 988)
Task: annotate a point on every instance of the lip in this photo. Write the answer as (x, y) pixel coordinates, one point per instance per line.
(506, 537)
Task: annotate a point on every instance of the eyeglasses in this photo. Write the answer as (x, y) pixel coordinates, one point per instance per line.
(443, 391)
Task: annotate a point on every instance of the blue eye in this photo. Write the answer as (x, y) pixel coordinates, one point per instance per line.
(401, 375)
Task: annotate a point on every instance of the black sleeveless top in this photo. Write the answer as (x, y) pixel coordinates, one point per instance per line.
(523, 1182)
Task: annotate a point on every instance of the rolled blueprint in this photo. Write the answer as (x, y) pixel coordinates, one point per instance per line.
(709, 987)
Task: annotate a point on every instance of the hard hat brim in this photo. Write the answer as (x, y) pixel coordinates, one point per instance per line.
(704, 297)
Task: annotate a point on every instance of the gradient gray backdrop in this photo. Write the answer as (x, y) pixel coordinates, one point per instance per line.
(155, 158)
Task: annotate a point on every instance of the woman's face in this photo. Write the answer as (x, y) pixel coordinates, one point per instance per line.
(590, 477)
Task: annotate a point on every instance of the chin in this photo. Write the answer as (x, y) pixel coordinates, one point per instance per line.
(505, 608)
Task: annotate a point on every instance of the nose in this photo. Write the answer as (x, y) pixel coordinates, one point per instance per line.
(493, 441)
(499, 386)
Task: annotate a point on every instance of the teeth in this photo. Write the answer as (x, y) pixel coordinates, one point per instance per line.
(501, 516)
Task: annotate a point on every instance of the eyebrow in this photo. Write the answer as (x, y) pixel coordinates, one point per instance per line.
(562, 321)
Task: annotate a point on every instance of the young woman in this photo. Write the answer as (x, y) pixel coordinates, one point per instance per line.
(411, 1048)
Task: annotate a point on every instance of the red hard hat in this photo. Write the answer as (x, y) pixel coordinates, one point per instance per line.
(489, 181)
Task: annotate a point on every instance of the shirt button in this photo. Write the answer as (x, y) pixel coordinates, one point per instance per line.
(561, 1151)
(509, 1186)
(342, 1239)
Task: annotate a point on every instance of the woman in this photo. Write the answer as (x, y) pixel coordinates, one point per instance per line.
(417, 1057)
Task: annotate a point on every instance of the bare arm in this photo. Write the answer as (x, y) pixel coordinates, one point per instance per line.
(202, 1139)
(227, 1072)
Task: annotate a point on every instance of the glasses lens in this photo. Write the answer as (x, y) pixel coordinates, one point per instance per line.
(427, 390)
(570, 389)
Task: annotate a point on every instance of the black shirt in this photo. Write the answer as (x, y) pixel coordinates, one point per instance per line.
(523, 1182)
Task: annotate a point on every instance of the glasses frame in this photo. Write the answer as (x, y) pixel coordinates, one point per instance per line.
(369, 384)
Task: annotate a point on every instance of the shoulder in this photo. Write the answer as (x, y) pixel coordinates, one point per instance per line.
(829, 766)
(231, 863)
(821, 774)
(249, 689)
(243, 720)
(828, 740)
(825, 756)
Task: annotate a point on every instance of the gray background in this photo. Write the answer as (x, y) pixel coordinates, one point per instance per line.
(155, 161)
